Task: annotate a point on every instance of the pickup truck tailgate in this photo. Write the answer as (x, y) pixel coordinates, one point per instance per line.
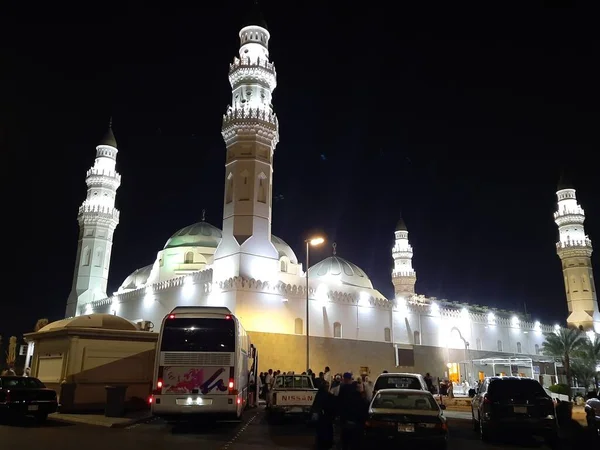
(294, 398)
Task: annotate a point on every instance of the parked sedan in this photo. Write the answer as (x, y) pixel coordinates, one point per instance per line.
(26, 396)
(592, 413)
(406, 416)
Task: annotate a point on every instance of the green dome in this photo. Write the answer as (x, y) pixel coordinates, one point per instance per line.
(201, 234)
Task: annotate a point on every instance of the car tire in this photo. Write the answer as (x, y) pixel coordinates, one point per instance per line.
(484, 433)
(41, 418)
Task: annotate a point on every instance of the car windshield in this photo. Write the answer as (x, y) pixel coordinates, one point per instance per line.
(394, 400)
(21, 383)
(398, 382)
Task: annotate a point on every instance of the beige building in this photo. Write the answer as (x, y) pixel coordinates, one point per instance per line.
(79, 357)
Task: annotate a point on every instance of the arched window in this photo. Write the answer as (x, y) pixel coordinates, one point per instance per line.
(298, 326)
(189, 258)
(537, 349)
(417, 337)
(500, 348)
(85, 261)
(99, 261)
(229, 189)
(478, 344)
(387, 334)
(337, 330)
(107, 259)
(244, 189)
(519, 348)
(283, 265)
(262, 188)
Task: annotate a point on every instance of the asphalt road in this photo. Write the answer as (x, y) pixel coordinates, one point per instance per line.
(252, 434)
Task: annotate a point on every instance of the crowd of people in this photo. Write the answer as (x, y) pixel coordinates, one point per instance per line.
(341, 399)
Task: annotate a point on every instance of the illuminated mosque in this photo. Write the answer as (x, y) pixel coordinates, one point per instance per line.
(258, 276)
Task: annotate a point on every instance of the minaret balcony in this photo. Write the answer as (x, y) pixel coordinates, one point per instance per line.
(244, 71)
(106, 212)
(249, 115)
(402, 254)
(572, 244)
(404, 273)
(103, 173)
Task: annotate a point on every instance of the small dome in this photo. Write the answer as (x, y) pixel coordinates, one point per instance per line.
(108, 138)
(401, 226)
(137, 279)
(104, 321)
(337, 268)
(284, 249)
(255, 17)
(564, 182)
(201, 234)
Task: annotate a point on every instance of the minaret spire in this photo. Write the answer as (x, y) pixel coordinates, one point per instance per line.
(97, 219)
(251, 132)
(203, 215)
(404, 276)
(574, 249)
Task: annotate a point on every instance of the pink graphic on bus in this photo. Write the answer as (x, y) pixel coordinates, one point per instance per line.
(183, 380)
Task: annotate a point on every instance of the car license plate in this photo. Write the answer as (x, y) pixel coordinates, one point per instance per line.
(406, 428)
(520, 409)
(32, 407)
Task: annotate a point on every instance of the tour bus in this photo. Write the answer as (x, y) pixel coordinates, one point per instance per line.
(203, 361)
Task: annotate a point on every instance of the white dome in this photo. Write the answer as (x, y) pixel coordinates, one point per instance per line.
(284, 249)
(104, 321)
(338, 269)
(137, 279)
(201, 234)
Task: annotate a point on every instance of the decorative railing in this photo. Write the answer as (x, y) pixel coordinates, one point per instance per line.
(585, 243)
(100, 210)
(246, 62)
(103, 173)
(242, 114)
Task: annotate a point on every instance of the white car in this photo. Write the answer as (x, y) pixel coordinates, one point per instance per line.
(413, 381)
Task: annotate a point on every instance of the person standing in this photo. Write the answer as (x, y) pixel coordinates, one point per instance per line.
(352, 410)
(324, 411)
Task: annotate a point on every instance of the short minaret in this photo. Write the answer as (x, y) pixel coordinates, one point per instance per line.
(97, 219)
(575, 250)
(404, 276)
(251, 132)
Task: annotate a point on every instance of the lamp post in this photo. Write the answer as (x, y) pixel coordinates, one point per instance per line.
(309, 242)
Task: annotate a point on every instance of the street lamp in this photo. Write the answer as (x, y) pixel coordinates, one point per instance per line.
(309, 242)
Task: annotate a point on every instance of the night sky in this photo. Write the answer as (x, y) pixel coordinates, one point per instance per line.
(461, 121)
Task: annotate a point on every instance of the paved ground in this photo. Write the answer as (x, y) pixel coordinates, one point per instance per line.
(253, 433)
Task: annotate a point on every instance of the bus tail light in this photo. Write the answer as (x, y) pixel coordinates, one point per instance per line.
(171, 316)
(228, 316)
(239, 400)
(150, 399)
(231, 387)
(159, 384)
(231, 384)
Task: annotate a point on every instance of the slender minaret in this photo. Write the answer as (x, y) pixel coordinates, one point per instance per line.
(97, 219)
(251, 132)
(404, 276)
(575, 250)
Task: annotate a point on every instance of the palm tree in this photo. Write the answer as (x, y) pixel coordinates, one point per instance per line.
(563, 344)
(589, 353)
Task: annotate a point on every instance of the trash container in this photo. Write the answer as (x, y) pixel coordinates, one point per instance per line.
(115, 401)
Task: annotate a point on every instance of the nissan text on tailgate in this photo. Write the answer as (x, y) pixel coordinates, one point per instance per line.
(291, 394)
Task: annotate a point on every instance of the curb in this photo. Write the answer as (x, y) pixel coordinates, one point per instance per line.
(101, 424)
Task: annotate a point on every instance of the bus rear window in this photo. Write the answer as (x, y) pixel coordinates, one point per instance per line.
(198, 335)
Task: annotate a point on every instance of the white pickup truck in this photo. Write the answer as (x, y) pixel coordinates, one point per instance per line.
(291, 394)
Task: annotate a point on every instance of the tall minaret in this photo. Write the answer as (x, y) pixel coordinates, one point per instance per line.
(251, 132)
(97, 219)
(404, 276)
(575, 250)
